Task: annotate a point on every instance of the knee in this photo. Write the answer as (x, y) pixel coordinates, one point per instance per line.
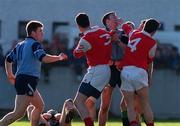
(90, 103)
(69, 103)
(69, 100)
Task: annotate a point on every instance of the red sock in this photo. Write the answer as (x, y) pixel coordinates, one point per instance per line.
(88, 121)
(134, 123)
(150, 124)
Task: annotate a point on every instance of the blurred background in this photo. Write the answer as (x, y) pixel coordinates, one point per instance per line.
(60, 80)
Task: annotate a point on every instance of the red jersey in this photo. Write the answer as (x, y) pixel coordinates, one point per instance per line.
(140, 49)
(98, 46)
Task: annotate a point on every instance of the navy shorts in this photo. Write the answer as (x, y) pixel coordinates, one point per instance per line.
(26, 84)
(89, 90)
(115, 77)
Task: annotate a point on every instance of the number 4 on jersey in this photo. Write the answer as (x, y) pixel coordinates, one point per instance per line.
(133, 43)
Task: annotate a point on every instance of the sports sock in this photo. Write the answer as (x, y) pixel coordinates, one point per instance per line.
(125, 120)
(88, 121)
(134, 123)
(143, 118)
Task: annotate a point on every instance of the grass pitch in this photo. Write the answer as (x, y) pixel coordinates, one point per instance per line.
(109, 123)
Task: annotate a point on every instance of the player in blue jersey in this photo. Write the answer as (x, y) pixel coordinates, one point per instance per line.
(28, 54)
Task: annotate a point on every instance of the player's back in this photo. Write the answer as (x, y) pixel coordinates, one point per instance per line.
(100, 42)
(138, 49)
(27, 63)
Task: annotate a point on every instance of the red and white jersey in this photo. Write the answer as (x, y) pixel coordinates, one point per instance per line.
(140, 50)
(96, 46)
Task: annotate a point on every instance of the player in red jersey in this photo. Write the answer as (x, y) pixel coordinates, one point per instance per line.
(137, 107)
(137, 69)
(96, 46)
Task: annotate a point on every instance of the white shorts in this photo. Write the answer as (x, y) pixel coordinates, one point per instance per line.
(97, 76)
(133, 78)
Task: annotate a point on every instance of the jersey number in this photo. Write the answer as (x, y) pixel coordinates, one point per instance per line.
(133, 43)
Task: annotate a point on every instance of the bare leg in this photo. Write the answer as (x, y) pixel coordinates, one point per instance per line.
(138, 108)
(129, 98)
(123, 108)
(105, 104)
(79, 102)
(144, 98)
(38, 103)
(91, 105)
(21, 103)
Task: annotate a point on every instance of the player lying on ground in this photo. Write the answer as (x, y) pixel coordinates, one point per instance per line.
(53, 118)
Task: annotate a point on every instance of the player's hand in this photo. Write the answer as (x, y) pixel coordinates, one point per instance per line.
(11, 79)
(63, 56)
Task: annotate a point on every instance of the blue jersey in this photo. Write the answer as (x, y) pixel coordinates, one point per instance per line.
(28, 55)
(117, 51)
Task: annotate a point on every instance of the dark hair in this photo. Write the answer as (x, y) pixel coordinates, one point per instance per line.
(82, 20)
(106, 16)
(151, 25)
(32, 26)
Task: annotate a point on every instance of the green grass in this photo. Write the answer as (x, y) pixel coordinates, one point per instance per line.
(110, 123)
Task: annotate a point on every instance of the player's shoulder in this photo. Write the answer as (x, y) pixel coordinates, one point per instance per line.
(90, 32)
(95, 30)
(19, 44)
(36, 45)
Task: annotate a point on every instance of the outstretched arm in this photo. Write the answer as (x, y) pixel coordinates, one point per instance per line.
(53, 58)
(40, 54)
